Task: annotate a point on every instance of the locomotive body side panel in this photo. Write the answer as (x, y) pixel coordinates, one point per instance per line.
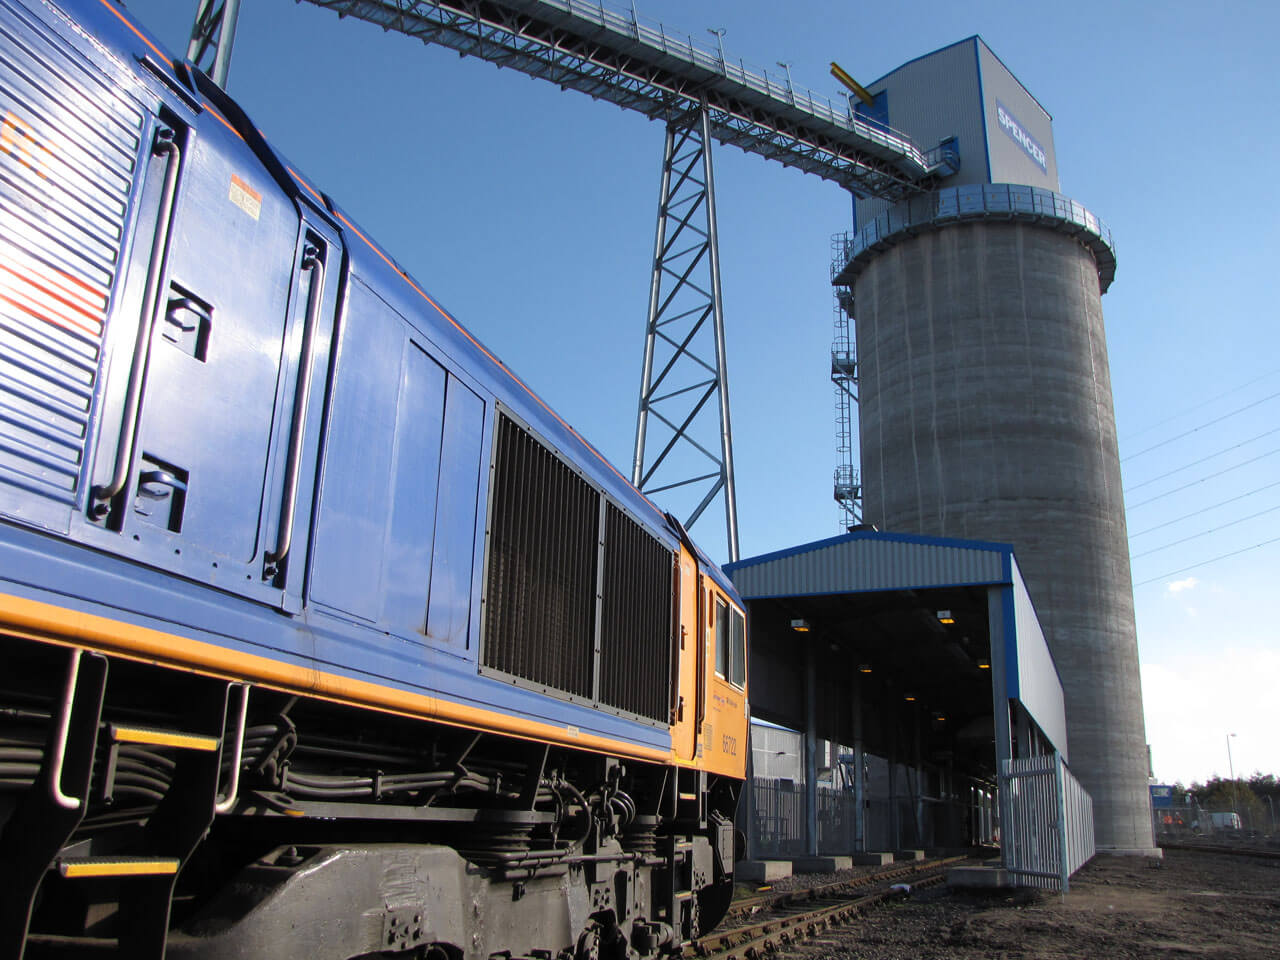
(248, 463)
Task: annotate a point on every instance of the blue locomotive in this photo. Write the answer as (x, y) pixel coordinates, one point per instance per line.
(320, 634)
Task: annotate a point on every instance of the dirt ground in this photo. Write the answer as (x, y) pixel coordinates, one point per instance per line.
(1191, 904)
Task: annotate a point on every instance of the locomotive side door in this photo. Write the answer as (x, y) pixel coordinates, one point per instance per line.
(684, 730)
(203, 431)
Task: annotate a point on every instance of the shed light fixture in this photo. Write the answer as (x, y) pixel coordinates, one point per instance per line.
(944, 616)
(909, 697)
(800, 625)
(984, 664)
(864, 668)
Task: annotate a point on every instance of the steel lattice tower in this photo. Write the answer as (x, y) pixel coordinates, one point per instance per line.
(684, 351)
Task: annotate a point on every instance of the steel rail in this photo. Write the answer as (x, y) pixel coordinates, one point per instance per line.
(749, 905)
(1220, 848)
(777, 933)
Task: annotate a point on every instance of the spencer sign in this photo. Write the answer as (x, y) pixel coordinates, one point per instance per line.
(1019, 135)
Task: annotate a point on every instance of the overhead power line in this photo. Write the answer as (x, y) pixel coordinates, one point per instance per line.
(1237, 466)
(1202, 404)
(1210, 423)
(1196, 513)
(1205, 563)
(1195, 463)
(1205, 533)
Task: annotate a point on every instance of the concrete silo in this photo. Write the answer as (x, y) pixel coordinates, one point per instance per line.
(985, 405)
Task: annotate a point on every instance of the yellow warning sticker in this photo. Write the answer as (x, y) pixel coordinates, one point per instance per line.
(245, 197)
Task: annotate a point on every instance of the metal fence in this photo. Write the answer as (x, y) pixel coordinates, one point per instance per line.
(1046, 822)
(889, 823)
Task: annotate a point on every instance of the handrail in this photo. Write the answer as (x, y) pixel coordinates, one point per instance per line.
(310, 261)
(762, 112)
(228, 803)
(102, 495)
(60, 740)
(978, 201)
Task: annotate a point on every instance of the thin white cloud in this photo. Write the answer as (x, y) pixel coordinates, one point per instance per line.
(1177, 586)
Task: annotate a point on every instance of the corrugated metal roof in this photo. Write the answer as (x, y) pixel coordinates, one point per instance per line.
(871, 561)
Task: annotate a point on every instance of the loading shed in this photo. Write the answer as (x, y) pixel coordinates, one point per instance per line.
(905, 669)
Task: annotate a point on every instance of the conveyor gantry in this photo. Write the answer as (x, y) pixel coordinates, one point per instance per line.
(619, 57)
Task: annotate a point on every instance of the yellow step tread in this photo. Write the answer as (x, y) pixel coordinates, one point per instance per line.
(75, 868)
(152, 736)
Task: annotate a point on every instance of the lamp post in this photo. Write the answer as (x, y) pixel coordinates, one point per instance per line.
(1272, 807)
(791, 90)
(1232, 767)
(719, 32)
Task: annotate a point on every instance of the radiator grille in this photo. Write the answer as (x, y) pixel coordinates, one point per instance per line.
(68, 148)
(543, 608)
(635, 639)
(540, 613)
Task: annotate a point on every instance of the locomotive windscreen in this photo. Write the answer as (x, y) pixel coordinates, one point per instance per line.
(543, 608)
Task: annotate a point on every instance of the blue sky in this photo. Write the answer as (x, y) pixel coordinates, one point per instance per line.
(530, 213)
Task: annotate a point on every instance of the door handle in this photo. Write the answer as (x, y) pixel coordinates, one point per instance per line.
(102, 495)
(297, 434)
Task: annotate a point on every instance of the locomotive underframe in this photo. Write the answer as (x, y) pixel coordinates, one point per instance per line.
(341, 831)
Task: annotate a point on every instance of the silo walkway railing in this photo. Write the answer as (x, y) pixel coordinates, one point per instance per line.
(1046, 818)
(976, 202)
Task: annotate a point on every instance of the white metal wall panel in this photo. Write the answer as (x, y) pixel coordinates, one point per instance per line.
(932, 98)
(867, 563)
(1039, 687)
(1010, 163)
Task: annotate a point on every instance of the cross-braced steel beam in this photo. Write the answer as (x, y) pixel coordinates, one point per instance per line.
(684, 353)
(212, 36)
(615, 56)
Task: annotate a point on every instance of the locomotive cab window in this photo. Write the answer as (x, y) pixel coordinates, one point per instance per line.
(737, 650)
(722, 638)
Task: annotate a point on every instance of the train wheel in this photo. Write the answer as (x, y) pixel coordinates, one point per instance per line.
(713, 904)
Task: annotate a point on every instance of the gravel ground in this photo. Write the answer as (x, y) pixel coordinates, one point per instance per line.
(1191, 904)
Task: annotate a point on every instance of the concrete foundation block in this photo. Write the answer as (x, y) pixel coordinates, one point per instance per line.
(762, 871)
(821, 864)
(908, 855)
(872, 859)
(984, 877)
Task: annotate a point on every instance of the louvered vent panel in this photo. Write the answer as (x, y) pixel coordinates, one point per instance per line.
(540, 610)
(68, 149)
(636, 619)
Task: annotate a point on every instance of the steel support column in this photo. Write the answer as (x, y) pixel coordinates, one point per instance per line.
(212, 36)
(684, 350)
(810, 749)
(859, 771)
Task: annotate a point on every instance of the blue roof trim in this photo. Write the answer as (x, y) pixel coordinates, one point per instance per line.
(1000, 61)
(897, 589)
(923, 56)
(914, 538)
(1012, 684)
(975, 38)
(982, 102)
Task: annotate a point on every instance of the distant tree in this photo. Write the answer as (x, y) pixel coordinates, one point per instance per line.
(1265, 785)
(1222, 795)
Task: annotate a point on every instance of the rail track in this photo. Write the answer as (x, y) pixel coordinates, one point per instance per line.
(1234, 851)
(834, 905)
